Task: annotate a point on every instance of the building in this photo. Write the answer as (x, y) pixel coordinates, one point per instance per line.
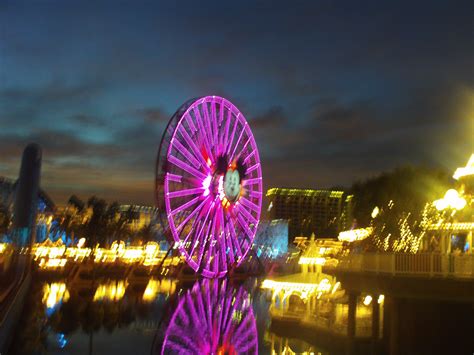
(140, 216)
(323, 213)
(46, 206)
(451, 231)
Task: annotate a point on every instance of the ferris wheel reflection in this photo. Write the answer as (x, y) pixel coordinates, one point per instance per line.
(212, 317)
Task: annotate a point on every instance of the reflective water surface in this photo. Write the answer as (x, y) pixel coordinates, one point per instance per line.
(155, 316)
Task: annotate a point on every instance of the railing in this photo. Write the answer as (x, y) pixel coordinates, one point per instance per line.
(426, 264)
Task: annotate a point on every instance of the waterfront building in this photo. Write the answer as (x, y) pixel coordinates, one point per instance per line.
(140, 216)
(321, 212)
(450, 229)
(316, 303)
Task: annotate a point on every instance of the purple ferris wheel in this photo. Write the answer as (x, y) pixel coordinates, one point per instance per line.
(213, 317)
(209, 184)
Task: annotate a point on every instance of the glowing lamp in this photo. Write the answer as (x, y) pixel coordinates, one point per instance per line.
(375, 212)
(367, 300)
(450, 200)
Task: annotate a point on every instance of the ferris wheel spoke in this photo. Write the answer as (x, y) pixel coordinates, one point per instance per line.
(214, 124)
(255, 194)
(202, 130)
(173, 177)
(180, 164)
(182, 193)
(232, 155)
(236, 144)
(247, 203)
(190, 122)
(252, 168)
(185, 206)
(179, 348)
(207, 123)
(242, 152)
(247, 214)
(183, 223)
(222, 240)
(198, 240)
(249, 156)
(221, 113)
(251, 181)
(192, 145)
(203, 242)
(194, 241)
(190, 234)
(229, 143)
(211, 244)
(226, 130)
(234, 239)
(186, 153)
(244, 226)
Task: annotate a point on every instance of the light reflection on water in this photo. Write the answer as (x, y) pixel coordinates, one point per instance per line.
(155, 316)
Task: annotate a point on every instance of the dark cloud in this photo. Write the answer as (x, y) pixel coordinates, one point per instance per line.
(272, 118)
(153, 114)
(88, 120)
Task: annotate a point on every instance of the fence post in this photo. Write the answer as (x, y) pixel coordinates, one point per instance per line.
(431, 265)
(392, 256)
(377, 262)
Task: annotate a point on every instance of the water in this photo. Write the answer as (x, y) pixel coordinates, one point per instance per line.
(151, 317)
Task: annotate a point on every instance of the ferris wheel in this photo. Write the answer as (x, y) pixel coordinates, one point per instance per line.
(213, 317)
(209, 184)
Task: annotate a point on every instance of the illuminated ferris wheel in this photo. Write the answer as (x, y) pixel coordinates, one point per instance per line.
(209, 184)
(211, 318)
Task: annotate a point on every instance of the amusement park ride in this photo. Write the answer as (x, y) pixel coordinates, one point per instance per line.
(209, 185)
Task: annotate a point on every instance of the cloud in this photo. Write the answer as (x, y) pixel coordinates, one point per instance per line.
(153, 114)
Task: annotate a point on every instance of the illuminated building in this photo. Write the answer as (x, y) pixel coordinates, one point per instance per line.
(46, 206)
(321, 212)
(140, 216)
(355, 234)
(452, 227)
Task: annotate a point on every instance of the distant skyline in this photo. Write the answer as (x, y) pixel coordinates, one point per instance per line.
(334, 91)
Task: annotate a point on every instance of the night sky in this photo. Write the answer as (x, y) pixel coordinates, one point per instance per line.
(333, 91)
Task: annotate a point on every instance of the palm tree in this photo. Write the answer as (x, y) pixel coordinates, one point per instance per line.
(5, 219)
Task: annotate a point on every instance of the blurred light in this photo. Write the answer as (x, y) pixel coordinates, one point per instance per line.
(367, 300)
(375, 212)
(81, 242)
(450, 200)
(311, 261)
(355, 234)
(337, 285)
(465, 171)
(381, 299)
